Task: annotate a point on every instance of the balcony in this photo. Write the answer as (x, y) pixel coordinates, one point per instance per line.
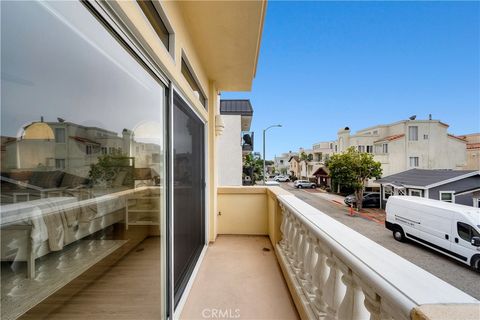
(247, 141)
(331, 271)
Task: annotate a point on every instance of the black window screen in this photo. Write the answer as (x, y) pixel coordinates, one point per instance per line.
(188, 193)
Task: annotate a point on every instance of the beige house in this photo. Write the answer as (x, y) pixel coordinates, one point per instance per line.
(473, 151)
(294, 166)
(408, 144)
(281, 163)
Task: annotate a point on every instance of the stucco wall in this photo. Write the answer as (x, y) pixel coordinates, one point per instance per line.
(229, 155)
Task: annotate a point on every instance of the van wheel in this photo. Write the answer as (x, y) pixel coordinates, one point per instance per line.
(299, 187)
(475, 263)
(398, 234)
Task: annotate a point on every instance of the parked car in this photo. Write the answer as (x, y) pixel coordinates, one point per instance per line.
(282, 179)
(299, 184)
(272, 183)
(370, 200)
(449, 228)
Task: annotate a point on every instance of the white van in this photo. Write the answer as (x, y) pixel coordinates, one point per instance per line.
(449, 228)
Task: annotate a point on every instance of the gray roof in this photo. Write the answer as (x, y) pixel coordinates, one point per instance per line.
(236, 107)
(422, 177)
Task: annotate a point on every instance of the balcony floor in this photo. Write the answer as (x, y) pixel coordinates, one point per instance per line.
(240, 279)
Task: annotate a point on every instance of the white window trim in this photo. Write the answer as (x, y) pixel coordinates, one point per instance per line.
(410, 191)
(383, 193)
(440, 193)
(476, 202)
(409, 162)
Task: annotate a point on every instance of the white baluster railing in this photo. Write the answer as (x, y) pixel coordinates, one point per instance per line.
(338, 274)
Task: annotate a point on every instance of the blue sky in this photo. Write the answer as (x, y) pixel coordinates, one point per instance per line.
(327, 65)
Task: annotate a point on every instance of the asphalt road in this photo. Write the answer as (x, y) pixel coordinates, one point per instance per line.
(447, 269)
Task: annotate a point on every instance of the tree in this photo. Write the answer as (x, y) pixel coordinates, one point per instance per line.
(310, 157)
(353, 169)
(303, 156)
(253, 167)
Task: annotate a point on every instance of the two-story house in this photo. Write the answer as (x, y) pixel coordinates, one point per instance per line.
(473, 151)
(281, 162)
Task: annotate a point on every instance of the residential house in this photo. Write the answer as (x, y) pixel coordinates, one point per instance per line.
(455, 186)
(322, 151)
(281, 162)
(185, 247)
(407, 144)
(236, 140)
(294, 166)
(473, 151)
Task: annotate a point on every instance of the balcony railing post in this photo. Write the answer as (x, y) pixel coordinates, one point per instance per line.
(284, 226)
(291, 238)
(320, 275)
(300, 262)
(352, 306)
(309, 288)
(372, 301)
(335, 289)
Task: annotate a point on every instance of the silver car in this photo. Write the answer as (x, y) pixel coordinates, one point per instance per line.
(299, 184)
(282, 179)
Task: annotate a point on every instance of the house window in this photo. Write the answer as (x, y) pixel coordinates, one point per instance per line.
(375, 131)
(104, 150)
(60, 135)
(59, 163)
(187, 73)
(413, 162)
(387, 192)
(415, 193)
(425, 137)
(369, 149)
(361, 148)
(89, 149)
(158, 21)
(413, 133)
(476, 202)
(466, 232)
(385, 148)
(447, 196)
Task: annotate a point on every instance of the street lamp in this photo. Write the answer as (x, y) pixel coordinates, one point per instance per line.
(264, 130)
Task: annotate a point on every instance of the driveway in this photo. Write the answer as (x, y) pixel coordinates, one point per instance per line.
(371, 224)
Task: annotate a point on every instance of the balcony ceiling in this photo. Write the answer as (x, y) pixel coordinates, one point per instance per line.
(227, 37)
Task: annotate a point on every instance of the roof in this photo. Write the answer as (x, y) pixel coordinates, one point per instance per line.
(473, 146)
(455, 137)
(236, 107)
(294, 157)
(426, 178)
(321, 171)
(390, 138)
(84, 140)
(227, 37)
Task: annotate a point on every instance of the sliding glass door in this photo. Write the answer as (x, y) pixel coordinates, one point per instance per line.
(82, 169)
(188, 192)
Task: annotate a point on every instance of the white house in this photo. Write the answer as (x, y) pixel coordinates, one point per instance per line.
(235, 142)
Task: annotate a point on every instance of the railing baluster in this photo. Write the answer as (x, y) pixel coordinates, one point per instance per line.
(335, 290)
(320, 275)
(309, 287)
(299, 263)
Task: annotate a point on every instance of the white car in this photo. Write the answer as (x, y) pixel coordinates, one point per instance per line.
(282, 179)
(451, 229)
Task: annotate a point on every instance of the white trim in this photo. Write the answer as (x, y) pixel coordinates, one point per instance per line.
(446, 192)
(186, 292)
(467, 192)
(476, 202)
(383, 192)
(410, 191)
(467, 175)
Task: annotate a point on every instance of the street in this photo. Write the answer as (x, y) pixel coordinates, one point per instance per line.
(449, 270)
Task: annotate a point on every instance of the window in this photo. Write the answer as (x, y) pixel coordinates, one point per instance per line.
(361, 148)
(385, 148)
(415, 192)
(413, 133)
(447, 196)
(369, 149)
(425, 137)
(476, 202)
(187, 73)
(59, 163)
(60, 135)
(375, 131)
(281, 161)
(155, 19)
(413, 162)
(104, 150)
(387, 192)
(466, 232)
(89, 149)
